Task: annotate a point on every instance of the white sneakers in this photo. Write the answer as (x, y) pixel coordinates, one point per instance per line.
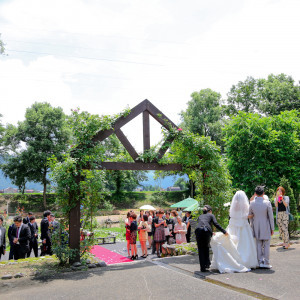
(265, 266)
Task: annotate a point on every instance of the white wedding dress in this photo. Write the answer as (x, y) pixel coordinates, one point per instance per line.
(236, 252)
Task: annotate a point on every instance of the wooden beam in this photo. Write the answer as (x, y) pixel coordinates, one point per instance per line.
(74, 224)
(138, 109)
(145, 105)
(123, 139)
(163, 149)
(159, 116)
(146, 130)
(138, 166)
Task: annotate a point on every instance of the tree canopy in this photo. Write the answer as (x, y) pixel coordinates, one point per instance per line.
(2, 48)
(203, 115)
(43, 133)
(268, 96)
(261, 150)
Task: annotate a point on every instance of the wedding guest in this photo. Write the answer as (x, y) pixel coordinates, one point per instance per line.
(180, 231)
(174, 215)
(53, 226)
(10, 238)
(140, 216)
(21, 237)
(149, 229)
(159, 234)
(2, 237)
(26, 220)
(133, 235)
(143, 234)
(282, 215)
(127, 226)
(179, 212)
(170, 225)
(186, 219)
(153, 231)
(203, 235)
(45, 234)
(33, 243)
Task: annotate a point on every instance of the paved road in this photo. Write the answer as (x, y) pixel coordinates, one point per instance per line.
(143, 280)
(174, 277)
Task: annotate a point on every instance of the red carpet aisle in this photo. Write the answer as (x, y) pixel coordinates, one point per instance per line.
(108, 256)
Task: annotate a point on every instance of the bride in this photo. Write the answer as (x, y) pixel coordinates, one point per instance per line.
(238, 252)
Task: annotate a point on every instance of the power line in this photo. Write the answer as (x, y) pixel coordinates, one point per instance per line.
(94, 49)
(90, 58)
(96, 35)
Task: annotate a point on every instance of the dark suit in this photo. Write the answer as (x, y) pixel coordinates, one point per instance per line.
(33, 244)
(26, 220)
(170, 223)
(22, 248)
(153, 231)
(10, 238)
(188, 234)
(45, 235)
(2, 240)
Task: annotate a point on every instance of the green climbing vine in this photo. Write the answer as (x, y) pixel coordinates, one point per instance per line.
(200, 158)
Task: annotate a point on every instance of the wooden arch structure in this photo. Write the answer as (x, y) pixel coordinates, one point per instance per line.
(147, 109)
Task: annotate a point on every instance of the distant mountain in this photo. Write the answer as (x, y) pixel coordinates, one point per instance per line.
(6, 182)
(163, 183)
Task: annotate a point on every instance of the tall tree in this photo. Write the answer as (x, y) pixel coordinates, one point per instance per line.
(45, 134)
(278, 93)
(17, 169)
(243, 97)
(261, 150)
(182, 183)
(2, 131)
(268, 96)
(2, 48)
(204, 114)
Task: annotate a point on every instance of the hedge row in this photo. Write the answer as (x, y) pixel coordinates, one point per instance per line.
(34, 202)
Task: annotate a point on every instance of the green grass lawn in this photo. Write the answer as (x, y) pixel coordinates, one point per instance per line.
(119, 232)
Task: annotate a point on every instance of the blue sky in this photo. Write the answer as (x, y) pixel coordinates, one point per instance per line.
(102, 56)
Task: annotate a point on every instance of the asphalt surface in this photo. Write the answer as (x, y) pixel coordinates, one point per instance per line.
(131, 281)
(172, 277)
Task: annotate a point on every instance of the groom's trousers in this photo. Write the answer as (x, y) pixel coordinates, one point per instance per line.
(203, 238)
(263, 251)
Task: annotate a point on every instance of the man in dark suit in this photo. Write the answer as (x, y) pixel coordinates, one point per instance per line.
(2, 237)
(26, 220)
(186, 220)
(10, 238)
(33, 243)
(21, 237)
(45, 234)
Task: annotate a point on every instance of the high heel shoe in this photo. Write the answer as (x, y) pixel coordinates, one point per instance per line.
(132, 257)
(136, 257)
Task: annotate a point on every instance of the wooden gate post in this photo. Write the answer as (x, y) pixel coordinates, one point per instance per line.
(74, 224)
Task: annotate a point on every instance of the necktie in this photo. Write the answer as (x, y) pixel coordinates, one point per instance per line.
(18, 232)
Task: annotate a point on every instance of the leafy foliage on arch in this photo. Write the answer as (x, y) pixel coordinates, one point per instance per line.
(199, 156)
(202, 161)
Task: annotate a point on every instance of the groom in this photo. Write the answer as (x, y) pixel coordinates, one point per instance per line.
(262, 223)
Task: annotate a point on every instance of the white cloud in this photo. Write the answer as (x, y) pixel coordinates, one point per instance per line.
(73, 51)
